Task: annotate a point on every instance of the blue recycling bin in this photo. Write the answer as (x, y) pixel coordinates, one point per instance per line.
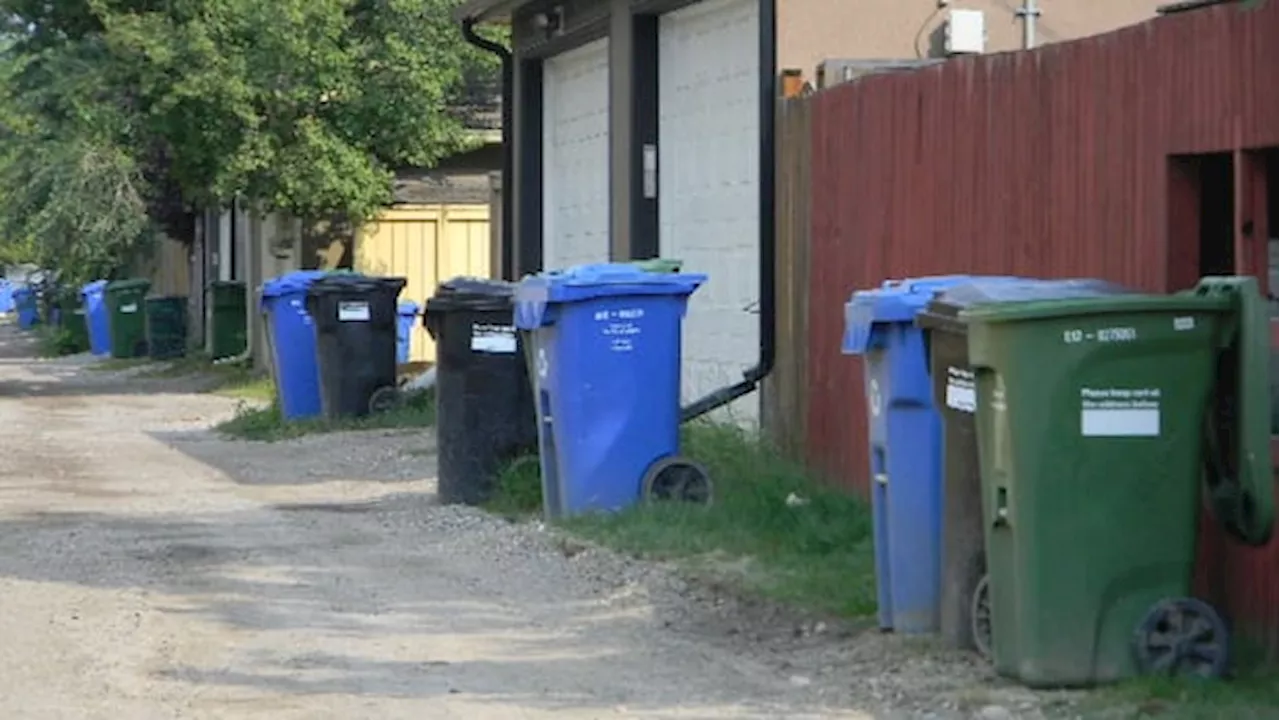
(6, 296)
(24, 301)
(291, 335)
(905, 435)
(604, 345)
(406, 315)
(97, 317)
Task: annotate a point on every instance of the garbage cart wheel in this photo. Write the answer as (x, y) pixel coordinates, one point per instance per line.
(678, 479)
(980, 617)
(1182, 637)
(384, 399)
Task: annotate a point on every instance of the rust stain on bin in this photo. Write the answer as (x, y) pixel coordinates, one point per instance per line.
(1053, 163)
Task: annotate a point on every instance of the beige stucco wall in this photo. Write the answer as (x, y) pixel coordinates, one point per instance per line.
(810, 31)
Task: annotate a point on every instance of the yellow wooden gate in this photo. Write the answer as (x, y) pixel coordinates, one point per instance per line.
(425, 244)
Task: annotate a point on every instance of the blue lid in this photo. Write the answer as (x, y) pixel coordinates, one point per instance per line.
(297, 281)
(96, 286)
(895, 301)
(407, 307)
(586, 282)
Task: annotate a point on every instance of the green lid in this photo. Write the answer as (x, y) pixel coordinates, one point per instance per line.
(659, 265)
(1101, 305)
(130, 284)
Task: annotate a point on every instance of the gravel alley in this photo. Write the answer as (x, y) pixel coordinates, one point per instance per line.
(151, 569)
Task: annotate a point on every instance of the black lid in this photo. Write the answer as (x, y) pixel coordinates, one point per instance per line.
(941, 312)
(346, 283)
(471, 293)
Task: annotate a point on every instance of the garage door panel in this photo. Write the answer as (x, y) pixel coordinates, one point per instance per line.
(575, 156)
(708, 150)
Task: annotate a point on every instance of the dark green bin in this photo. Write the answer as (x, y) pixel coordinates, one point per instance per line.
(74, 322)
(127, 317)
(166, 326)
(228, 304)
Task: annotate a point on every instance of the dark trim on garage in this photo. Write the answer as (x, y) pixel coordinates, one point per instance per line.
(528, 138)
(644, 134)
(573, 23)
(659, 7)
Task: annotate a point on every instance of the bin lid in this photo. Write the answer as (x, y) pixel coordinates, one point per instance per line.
(128, 284)
(471, 293)
(96, 286)
(354, 282)
(943, 311)
(586, 282)
(659, 265)
(289, 283)
(407, 307)
(1106, 298)
(895, 301)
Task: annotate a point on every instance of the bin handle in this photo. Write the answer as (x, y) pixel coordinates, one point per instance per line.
(1001, 515)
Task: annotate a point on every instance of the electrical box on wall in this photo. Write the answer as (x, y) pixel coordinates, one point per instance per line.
(965, 32)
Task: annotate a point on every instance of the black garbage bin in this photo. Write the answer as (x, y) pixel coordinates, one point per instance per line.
(355, 321)
(484, 405)
(962, 607)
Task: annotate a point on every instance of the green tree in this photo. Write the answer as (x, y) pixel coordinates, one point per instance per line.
(302, 106)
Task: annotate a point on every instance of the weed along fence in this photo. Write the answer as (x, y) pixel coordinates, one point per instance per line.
(1112, 157)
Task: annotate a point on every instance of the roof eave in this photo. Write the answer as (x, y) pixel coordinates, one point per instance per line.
(486, 11)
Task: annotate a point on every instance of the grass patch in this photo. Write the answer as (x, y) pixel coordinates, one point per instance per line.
(57, 342)
(1243, 698)
(813, 551)
(267, 424)
(118, 364)
(248, 386)
(234, 380)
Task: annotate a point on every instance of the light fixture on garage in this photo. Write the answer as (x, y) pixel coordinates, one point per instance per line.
(550, 22)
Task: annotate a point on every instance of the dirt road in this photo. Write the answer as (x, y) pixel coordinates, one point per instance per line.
(150, 569)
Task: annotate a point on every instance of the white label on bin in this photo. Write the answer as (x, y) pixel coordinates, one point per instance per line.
(961, 393)
(997, 396)
(1184, 323)
(1120, 412)
(130, 308)
(1103, 335)
(873, 397)
(544, 365)
(620, 327)
(353, 311)
(498, 339)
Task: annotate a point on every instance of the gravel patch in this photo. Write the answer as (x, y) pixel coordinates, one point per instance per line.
(154, 569)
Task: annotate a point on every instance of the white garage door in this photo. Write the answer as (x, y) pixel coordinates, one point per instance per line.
(575, 156)
(708, 150)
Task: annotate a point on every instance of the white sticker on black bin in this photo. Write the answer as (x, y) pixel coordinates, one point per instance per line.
(129, 309)
(353, 311)
(498, 339)
(961, 394)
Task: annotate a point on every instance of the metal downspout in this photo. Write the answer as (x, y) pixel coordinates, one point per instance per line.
(508, 150)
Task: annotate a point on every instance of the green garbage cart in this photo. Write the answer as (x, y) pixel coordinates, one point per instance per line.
(1091, 422)
(227, 319)
(74, 322)
(166, 326)
(127, 317)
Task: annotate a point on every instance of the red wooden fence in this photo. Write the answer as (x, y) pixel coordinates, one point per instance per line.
(1057, 162)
